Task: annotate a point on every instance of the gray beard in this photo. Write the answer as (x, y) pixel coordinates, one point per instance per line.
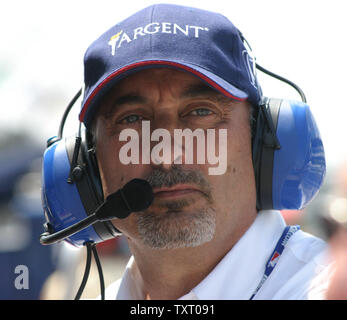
(176, 229)
(176, 225)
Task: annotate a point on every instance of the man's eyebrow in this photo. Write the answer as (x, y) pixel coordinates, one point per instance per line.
(130, 98)
(203, 90)
(126, 99)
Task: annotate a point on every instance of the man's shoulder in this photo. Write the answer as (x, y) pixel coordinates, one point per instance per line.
(306, 268)
(305, 247)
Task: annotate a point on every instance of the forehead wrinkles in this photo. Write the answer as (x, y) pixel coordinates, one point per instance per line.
(154, 85)
(158, 84)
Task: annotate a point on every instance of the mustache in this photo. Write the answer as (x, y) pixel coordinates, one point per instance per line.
(159, 178)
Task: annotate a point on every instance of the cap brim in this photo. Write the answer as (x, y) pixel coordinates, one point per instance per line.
(89, 103)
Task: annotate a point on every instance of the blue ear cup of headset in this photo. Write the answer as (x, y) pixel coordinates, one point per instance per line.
(288, 155)
(71, 190)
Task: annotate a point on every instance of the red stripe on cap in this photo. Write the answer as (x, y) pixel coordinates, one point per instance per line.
(153, 62)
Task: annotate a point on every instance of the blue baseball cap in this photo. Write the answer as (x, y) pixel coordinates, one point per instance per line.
(203, 43)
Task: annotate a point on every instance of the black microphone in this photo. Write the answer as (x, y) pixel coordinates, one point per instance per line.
(136, 195)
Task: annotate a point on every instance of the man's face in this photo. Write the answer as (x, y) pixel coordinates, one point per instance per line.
(191, 206)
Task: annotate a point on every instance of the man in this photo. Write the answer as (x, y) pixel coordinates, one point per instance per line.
(172, 68)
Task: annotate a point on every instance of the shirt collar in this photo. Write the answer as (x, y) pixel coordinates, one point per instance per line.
(236, 276)
(131, 285)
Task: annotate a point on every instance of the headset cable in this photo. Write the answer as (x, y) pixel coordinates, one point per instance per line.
(91, 249)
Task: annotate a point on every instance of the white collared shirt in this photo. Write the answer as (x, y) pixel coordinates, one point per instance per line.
(302, 271)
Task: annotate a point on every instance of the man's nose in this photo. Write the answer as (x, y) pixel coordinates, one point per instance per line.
(164, 146)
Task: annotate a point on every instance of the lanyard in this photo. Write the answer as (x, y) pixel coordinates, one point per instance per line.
(275, 255)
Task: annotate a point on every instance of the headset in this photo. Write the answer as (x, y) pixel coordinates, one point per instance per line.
(288, 159)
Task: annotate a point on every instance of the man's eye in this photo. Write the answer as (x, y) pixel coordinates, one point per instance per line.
(201, 112)
(131, 119)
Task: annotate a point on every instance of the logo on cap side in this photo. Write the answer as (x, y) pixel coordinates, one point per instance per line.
(113, 41)
(117, 40)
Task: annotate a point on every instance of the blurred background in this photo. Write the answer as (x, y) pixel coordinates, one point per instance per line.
(41, 55)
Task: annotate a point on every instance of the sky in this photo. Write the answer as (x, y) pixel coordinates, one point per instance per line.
(43, 43)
